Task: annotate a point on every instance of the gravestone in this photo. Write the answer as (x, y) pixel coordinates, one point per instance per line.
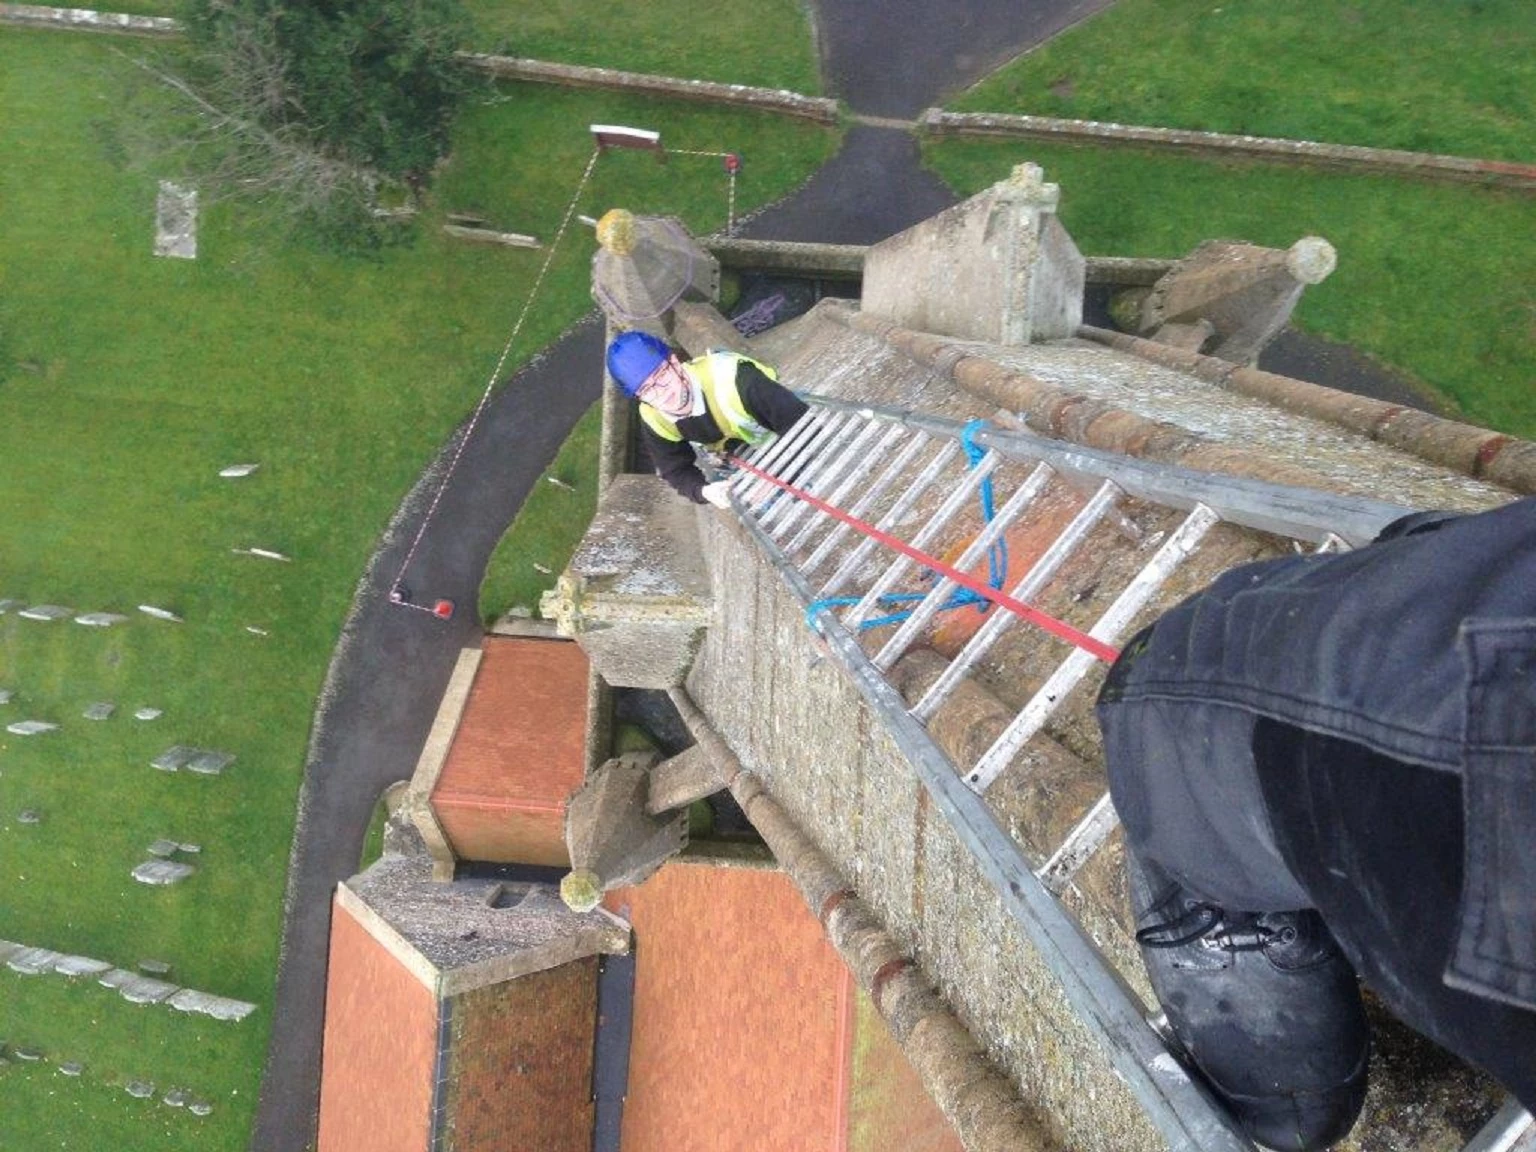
(163, 848)
(10, 605)
(30, 1055)
(173, 758)
(235, 471)
(219, 1007)
(162, 872)
(154, 967)
(33, 961)
(71, 1068)
(100, 619)
(148, 714)
(101, 710)
(210, 763)
(160, 613)
(29, 816)
(191, 849)
(46, 612)
(80, 966)
(29, 727)
(139, 1089)
(5, 695)
(199, 1108)
(175, 1098)
(176, 221)
(145, 990)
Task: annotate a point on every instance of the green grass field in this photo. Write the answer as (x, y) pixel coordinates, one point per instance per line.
(1454, 76)
(126, 383)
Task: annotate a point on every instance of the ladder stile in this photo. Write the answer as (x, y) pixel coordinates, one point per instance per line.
(944, 588)
(833, 463)
(1079, 846)
(1039, 575)
(861, 507)
(962, 495)
(859, 464)
(925, 479)
(1071, 670)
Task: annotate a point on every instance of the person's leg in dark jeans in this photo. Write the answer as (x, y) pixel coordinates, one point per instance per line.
(1378, 846)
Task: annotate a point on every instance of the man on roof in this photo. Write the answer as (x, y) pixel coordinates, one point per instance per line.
(720, 401)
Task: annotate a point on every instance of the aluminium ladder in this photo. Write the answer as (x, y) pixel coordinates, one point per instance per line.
(823, 502)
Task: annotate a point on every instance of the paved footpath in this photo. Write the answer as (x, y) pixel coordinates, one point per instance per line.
(886, 62)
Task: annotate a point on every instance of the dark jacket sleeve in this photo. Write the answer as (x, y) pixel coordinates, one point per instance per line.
(773, 406)
(675, 463)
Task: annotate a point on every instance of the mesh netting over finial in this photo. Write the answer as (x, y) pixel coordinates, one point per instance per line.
(644, 265)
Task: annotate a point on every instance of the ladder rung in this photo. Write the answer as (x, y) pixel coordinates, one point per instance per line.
(855, 559)
(767, 456)
(943, 589)
(862, 463)
(1071, 670)
(964, 492)
(761, 496)
(817, 456)
(881, 483)
(1079, 846)
(1038, 576)
(834, 461)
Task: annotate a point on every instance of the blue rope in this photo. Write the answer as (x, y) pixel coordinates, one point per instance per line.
(997, 559)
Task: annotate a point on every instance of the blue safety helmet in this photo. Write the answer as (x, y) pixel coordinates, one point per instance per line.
(632, 357)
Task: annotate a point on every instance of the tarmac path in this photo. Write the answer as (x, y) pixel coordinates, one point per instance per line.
(886, 62)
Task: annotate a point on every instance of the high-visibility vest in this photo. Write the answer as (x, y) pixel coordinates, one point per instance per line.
(715, 375)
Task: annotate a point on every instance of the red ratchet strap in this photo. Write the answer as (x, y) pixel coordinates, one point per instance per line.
(1052, 625)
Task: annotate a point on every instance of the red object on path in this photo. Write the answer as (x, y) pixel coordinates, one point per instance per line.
(443, 609)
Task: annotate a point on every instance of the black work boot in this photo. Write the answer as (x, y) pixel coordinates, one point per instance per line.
(1265, 1005)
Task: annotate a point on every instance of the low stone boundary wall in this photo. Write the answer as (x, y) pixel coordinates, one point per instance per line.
(1341, 157)
(815, 108)
(85, 18)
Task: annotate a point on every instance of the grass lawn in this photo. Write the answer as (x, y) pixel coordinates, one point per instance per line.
(1435, 280)
(1454, 76)
(762, 42)
(126, 383)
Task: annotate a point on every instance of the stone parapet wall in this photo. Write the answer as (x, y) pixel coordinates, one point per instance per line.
(1473, 451)
(1344, 157)
(821, 110)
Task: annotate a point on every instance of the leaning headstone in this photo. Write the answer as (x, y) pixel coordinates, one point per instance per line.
(148, 714)
(175, 1098)
(80, 966)
(235, 471)
(176, 221)
(33, 961)
(162, 872)
(146, 990)
(154, 968)
(29, 816)
(101, 710)
(160, 613)
(163, 848)
(199, 1108)
(30, 1055)
(173, 758)
(71, 1068)
(100, 619)
(210, 763)
(139, 1089)
(46, 612)
(29, 727)
(219, 1007)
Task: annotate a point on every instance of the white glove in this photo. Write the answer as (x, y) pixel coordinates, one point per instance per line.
(717, 493)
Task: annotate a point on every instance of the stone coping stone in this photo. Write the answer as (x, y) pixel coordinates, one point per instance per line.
(162, 872)
(46, 612)
(29, 727)
(219, 1007)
